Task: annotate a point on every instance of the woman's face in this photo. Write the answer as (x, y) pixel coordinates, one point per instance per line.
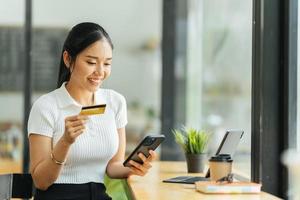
(92, 66)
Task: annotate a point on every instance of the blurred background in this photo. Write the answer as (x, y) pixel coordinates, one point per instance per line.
(213, 60)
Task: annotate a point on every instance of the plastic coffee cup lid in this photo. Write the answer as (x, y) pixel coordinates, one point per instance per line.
(221, 158)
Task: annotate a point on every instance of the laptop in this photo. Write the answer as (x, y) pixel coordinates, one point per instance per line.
(228, 145)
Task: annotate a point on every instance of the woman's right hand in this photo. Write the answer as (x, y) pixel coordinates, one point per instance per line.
(74, 126)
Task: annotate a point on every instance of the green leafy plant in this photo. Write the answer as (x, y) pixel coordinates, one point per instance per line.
(192, 141)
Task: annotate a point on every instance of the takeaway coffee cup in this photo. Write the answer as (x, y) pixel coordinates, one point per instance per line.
(220, 166)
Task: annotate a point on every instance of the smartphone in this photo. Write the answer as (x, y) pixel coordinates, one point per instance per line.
(150, 142)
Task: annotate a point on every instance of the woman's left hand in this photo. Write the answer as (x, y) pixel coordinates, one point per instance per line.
(142, 169)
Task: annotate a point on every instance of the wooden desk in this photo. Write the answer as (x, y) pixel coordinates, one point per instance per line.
(152, 187)
(10, 166)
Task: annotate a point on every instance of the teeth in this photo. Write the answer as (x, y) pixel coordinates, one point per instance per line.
(95, 81)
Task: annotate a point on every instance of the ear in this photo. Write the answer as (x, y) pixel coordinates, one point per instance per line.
(67, 59)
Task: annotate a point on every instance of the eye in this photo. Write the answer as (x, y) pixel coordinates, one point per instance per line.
(107, 64)
(91, 63)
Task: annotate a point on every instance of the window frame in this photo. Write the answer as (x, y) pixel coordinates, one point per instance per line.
(274, 91)
(27, 90)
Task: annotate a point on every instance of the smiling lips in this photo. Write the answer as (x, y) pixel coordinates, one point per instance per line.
(95, 81)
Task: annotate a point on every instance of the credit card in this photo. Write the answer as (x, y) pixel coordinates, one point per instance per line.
(93, 110)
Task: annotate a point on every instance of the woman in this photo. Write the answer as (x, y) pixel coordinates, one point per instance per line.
(69, 152)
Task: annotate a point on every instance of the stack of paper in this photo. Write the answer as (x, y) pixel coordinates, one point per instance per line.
(227, 188)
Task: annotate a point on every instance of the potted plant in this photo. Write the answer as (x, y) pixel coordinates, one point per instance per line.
(193, 143)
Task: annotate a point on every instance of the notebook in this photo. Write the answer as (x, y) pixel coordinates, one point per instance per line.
(228, 188)
(227, 146)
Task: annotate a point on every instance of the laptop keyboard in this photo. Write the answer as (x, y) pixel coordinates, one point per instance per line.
(186, 179)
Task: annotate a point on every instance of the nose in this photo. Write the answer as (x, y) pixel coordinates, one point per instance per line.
(100, 69)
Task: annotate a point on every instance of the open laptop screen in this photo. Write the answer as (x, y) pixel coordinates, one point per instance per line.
(228, 145)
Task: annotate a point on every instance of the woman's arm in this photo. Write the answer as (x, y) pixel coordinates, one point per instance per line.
(44, 168)
(115, 168)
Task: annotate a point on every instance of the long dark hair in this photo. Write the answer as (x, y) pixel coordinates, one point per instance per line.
(80, 37)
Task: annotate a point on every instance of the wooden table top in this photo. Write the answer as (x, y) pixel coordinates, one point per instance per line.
(8, 166)
(151, 186)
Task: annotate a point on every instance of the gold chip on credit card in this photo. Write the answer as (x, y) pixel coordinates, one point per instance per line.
(93, 110)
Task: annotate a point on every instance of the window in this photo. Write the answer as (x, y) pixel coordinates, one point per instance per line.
(298, 82)
(219, 71)
(11, 85)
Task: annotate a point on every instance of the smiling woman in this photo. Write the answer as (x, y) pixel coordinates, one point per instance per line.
(94, 49)
(91, 67)
(70, 152)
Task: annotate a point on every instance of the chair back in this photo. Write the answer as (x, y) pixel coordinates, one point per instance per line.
(15, 186)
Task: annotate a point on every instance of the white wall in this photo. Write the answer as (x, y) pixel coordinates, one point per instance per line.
(12, 12)
(11, 106)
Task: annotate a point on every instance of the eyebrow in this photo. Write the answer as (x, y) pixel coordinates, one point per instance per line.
(95, 57)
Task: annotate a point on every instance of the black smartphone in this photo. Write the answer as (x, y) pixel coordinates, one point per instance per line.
(150, 142)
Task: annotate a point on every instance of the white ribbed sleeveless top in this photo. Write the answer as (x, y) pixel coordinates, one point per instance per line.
(89, 155)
